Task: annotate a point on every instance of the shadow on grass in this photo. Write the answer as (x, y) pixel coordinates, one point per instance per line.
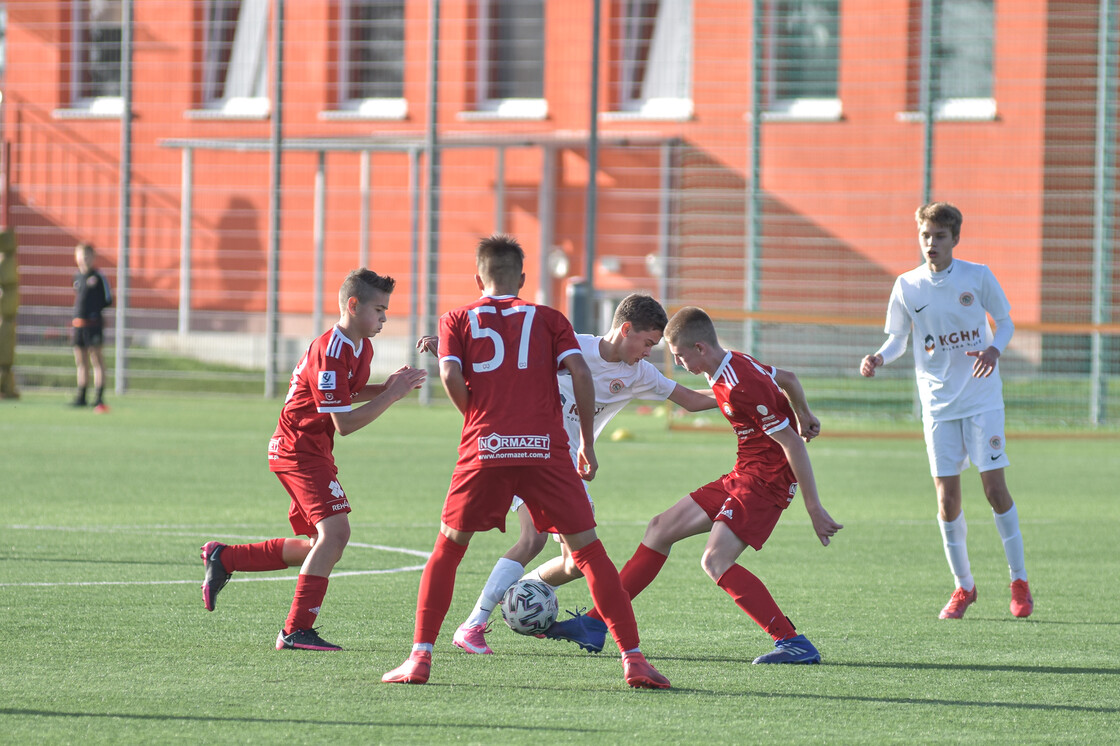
(441, 726)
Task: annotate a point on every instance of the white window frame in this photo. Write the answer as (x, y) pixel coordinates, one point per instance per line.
(487, 106)
(240, 91)
(82, 105)
(666, 86)
(389, 108)
(817, 109)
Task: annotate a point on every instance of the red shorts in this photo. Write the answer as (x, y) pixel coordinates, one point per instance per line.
(749, 512)
(316, 494)
(478, 499)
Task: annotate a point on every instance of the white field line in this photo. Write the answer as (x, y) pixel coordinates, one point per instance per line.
(249, 578)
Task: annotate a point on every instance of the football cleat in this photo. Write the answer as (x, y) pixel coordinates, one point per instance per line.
(415, 670)
(791, 650)
(640, 673)
(216, 575)
(471, 639)
(958, 602)
(587, 632)
(303, 639)
(1022, 603)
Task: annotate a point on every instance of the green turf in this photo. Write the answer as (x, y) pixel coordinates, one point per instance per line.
(129, 497)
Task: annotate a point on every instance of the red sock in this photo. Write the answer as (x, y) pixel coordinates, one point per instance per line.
(436, 587)
(751, 596)
(608, 594)
(638, 572)
(310, 590)
(259, 557)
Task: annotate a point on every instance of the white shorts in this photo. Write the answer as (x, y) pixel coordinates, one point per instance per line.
(517, 502)
(951, 444)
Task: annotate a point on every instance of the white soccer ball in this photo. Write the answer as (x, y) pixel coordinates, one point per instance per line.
(529, 607)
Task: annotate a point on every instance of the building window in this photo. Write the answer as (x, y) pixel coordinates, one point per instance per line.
(235, 57)
(96, 72)
(961, 79)
(371, 58)
(804, 58)
(510, 70)
(654, 58)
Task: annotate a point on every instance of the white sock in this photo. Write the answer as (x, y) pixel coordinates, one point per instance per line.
(953, 535)
(505, 573)
(422, 647)
(1008, 526)
(536, 575)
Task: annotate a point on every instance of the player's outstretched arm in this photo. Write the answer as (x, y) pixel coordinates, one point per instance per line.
(693, 401)
(379, 398)
(798, 457)
(583, 388)
(809, 425)
(451, 375)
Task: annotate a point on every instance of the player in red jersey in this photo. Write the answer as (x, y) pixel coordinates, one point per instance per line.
(498, 362)
(331, 377)
(741, 508)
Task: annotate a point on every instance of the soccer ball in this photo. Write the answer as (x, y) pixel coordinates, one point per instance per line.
(529, 607)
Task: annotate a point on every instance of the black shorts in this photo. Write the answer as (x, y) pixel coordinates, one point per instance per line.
(89, 336)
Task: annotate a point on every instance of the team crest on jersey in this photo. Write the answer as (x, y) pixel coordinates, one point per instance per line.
(762, 410)
(616, 385)
(929, 343)
(727, 409)
(967, 298)
(996, 442)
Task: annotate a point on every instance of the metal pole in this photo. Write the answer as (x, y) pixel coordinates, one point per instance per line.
(414, 253)
(432, 177)
(319, 239)
(586, 318)
(1102, 203)
(120, 366)
(925, 98)
(500, 190)
(754, 178)
(546, 212)
(363, 213)
(186, 210)
(664, 217)
(272, 311)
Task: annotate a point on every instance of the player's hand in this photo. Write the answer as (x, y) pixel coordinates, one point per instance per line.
(428, 343)
(869, 364)
(985, 363)
(404, 380)
(823, 524)
(587, 464)
(809, 424)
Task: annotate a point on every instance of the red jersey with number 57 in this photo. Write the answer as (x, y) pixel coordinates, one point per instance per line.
(751, 401)
(509, 351)
(326, 380)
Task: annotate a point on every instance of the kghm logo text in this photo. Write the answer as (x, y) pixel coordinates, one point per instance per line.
(951, 340)
(495, 443)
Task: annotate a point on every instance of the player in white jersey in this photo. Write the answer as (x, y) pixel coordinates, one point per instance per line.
(946, 302)
(621, 374)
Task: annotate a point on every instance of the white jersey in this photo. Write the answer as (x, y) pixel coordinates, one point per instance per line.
(616, 384)
(948, 314)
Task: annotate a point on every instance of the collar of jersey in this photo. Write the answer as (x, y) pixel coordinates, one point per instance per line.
(719, 371)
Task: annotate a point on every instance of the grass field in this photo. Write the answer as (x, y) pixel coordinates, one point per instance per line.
(106, 640)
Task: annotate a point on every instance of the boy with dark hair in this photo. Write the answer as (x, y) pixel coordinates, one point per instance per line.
(331, 377)
(621, 373)
(499, 357)
(764, 405)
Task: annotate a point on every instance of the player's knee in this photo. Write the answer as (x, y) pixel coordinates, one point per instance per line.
(713, 564)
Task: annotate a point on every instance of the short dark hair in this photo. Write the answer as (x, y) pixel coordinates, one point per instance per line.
(642, 311)
(943, 214)
(500, 259)
(362, 283)
(689, 326)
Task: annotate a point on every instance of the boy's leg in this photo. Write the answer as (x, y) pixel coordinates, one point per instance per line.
(437, 584)
(311, 585)
(81, 363)
(1006, 516)
(97, 362)
(749, 593)
(221, 561)
(506, 572)
(954, 536)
